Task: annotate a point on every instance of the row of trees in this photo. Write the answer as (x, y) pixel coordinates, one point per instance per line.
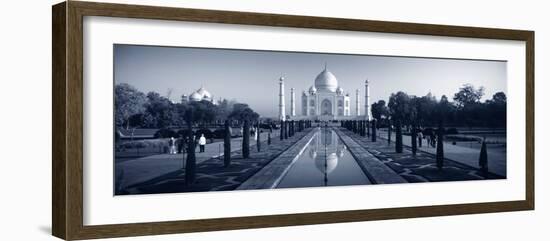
(466, 109)
(136, 109)
(288, 129)
(368, 129)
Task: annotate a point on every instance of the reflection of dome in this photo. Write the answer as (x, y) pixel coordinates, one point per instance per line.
(340, 151)
(332, 162)
(326, 81)
(313, 153)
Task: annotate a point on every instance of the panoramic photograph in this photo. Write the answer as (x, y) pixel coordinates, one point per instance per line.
(192, 119)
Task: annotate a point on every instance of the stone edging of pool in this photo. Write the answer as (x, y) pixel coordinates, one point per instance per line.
(376, 171)
(271, 174)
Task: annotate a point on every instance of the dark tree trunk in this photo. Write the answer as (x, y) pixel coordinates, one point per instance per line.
(227, 145)
(398, 137)
(190, 164)
(413, 139)
(483, 160)
(373, 136)
(389, 132)
(282, 128)
(286, 129)
(368, 127)
(439, 152)
(246, 139)
(258, 139)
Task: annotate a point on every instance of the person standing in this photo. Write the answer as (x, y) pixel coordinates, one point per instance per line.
(179, 143)
(172, 144)
(202, 143)
(420, 137)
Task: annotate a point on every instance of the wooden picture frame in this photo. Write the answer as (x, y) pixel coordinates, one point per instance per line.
(67, 124)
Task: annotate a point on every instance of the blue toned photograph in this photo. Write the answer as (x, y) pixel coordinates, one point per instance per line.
(206, 119)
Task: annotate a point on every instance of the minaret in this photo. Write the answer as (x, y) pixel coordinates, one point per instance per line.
(292, 107)
(357, 108)
(367, 101)
(281, 98)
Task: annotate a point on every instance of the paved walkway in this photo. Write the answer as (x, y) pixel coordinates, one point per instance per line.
(420, 167)
(464, 155)
(377, 171)
(212, 175)
(142, 169)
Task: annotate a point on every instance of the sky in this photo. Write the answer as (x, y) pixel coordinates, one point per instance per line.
(251, 76)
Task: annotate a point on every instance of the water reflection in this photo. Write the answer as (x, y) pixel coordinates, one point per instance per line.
(330, 147)
(326, 162)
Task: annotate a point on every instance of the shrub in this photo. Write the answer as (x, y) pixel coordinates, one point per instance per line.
(165, 133)
(451, 131)
(208, 134)
(183, 132)
(220, 133)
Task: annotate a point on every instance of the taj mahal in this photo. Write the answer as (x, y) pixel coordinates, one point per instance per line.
(324, 100)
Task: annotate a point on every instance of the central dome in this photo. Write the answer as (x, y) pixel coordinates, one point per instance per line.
(326, 81)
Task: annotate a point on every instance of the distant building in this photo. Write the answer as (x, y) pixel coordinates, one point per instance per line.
(199, 95)
(325, 100)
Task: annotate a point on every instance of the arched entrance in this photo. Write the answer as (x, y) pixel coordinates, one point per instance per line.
(326, 107)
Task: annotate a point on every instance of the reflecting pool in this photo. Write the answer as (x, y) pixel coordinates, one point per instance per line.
(325, 162)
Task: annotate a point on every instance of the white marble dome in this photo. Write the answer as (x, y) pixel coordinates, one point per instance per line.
(326, 81)
(312, 90)
(200, 94)
(195, 97)
(204, 93)
(339, 90)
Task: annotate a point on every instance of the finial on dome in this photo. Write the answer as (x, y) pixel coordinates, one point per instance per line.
(325, 65)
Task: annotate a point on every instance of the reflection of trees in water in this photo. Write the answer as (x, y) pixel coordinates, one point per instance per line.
(334, 150)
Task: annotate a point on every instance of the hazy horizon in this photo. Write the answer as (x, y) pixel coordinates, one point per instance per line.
(251, 76)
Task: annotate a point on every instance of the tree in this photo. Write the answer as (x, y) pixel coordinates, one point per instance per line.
(499, 98)
(483, 161)
(439, 157)
(413, 138)
(444, 109)
(400, 110)
(128, 102)
(468, 94)
(496, 110)
(373, 126)
(227, 145)
(399, 106)
(258, 139)
(246, 139)
(224, 109)
(204, 111)
(282, 130)
(190, 164)
(242, 112)
(160, 112)
(425, 107)
(379, 110)
(398, 137)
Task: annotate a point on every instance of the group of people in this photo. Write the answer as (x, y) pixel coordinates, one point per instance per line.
(178, 145)
(430, 137)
